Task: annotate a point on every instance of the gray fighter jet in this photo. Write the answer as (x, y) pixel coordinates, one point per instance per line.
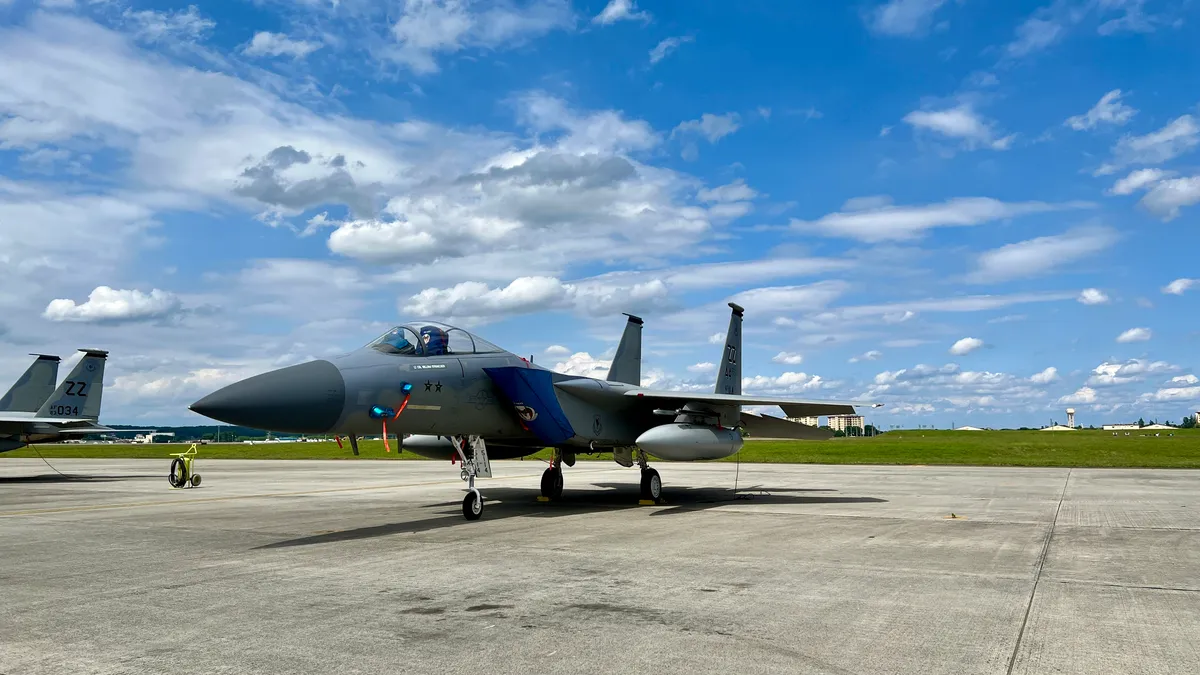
(460, 397)
(34, 411)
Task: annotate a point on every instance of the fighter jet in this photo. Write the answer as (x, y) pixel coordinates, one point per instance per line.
(460, 397)
(70, 410)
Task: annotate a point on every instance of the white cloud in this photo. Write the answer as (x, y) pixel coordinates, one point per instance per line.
(556, 350)
(789, 358)
(663, 49)
(1135, 335)
(266, 43)
(736, 191)
(1109, 374)
(966, 346)
(1083, 395)
(1093, 296)
(1174, 394)
(1168, 196)
(899, 223)
(1185, 379)
(1034, 35)
(583, 365)
(873, 355)
(1045, 377)
(475, 299)
(1040, 255)
(426, 28)
(620, 10)
(785, 383)
(705, 367)
(716, 339)
(711, 127)
(1179, 136)
(109, 304)
(907, 18)
(962, 123)
(1109, 110)
(154, 26)
(1139, 179)
(1180, 286)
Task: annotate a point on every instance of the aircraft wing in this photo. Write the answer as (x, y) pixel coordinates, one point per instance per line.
(792, 406)
(43, 420)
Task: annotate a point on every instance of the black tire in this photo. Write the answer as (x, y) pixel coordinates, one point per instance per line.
(556, 484)
(651, 485)
(472, 505)
(547, 482)
(178, 476)
(195, 480)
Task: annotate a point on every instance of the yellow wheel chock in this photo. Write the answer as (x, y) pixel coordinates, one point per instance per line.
(182, 474)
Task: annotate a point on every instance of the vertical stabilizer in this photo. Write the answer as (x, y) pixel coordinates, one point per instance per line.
(78, 396)
(34, 387)
(627, 364)
(729, 377)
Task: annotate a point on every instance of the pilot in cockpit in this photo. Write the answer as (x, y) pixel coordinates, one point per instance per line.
(398, 343)
(435, 340)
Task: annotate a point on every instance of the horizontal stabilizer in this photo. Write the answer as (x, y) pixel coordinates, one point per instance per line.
(733, 399)
(765, 426)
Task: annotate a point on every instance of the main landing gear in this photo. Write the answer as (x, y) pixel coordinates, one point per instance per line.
(651, 482)
(477, 465)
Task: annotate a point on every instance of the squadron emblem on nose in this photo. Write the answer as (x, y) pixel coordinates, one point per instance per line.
(526, 413)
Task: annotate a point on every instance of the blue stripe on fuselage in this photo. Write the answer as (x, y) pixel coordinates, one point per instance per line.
(531, 391)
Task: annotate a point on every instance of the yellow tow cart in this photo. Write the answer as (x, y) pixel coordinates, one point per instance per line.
(182, 474)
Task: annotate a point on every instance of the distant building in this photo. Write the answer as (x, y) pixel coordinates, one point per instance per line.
(1059, 427)
(1071, 417)
(844, 422)
(1197, 417)
(810, 421)
(1135, 427)
(968, 429)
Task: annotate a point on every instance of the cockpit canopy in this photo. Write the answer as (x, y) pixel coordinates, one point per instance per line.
(430, 338)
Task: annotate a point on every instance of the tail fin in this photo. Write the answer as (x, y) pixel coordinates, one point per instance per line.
(627, 364)
(78, 396)
(33, 388)
(729, 377)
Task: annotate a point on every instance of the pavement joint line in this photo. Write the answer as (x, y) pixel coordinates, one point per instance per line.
(203, 500)
(1041, 563)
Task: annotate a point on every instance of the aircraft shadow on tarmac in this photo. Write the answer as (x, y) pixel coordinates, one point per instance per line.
(505, 503)
(69, 478)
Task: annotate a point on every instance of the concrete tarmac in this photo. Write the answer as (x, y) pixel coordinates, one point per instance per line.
(369, 567)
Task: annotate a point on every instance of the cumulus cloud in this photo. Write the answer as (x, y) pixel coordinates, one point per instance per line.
(1168, 196)
(1040, 255)
(1093, 296)
(1045, 377)
(274, 181)
(265, 43)
(901, 223)
(620, 10)
(1082, 395)
(664, 49)
(1185, 379)
(1139, 179)
(737, 191)
(789, 358)
(904, 18)
(1173, 394)
(785, 383)
(1109, 374)
(1135, 335)
(1180, 286)
(705, 367)
(474, 299)
(712, 127)
(1108, 111)
(961, 123)
(426, 28)
(106, 304)
(1033, 35)
(1179, 136)
(966, 346)
(583, 364)
(556, 350)
(873, 355)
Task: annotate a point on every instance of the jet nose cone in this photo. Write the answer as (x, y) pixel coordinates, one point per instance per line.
(307, 398)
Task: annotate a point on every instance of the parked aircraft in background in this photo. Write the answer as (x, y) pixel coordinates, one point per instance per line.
(462, 397)
(68, 411)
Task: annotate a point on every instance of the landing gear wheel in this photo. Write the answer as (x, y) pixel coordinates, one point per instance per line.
(552, 483)
(196, 480)
(472, 505)
(651, 485)
(178, 476)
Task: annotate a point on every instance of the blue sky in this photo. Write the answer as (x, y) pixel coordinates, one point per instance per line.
(974, 211)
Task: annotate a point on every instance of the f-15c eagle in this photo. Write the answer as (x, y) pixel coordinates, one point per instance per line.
(34, 411)
(458, 396)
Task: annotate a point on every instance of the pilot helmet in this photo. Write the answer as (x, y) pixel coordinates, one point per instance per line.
(434, 339)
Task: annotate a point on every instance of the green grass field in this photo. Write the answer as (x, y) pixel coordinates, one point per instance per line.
(982, 448)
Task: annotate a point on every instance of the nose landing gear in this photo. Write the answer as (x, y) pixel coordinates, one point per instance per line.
(477, 465)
